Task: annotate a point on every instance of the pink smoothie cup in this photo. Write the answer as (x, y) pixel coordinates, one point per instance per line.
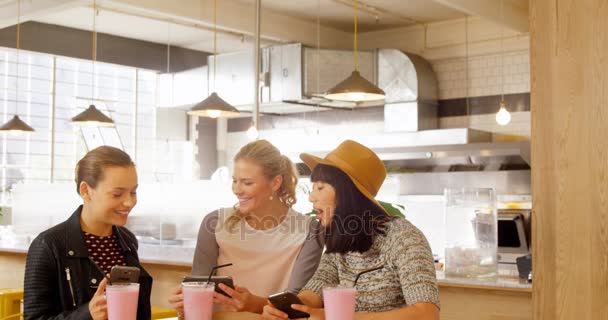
(198, 300)
(339, 303)
(122, 301)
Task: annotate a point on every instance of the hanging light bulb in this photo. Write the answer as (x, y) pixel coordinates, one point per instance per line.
(16, 126)
(214, 106)
(503, 117)
(253, 133)
(214, 113)
(355, 88)
(93, 117)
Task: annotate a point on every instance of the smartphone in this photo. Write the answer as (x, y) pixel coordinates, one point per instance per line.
(124, 274)
(283, 302)
(226, 280)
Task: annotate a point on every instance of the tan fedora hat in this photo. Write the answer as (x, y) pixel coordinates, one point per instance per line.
(361, 164)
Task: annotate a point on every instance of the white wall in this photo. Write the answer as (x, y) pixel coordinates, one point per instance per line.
(446, 39)
(487, 75)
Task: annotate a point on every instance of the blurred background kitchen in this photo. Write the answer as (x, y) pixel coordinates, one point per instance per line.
(456, 114)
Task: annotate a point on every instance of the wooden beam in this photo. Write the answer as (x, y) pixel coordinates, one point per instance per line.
(515, 18)
(569, 69)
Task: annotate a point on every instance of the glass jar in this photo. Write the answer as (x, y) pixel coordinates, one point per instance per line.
(471, 233)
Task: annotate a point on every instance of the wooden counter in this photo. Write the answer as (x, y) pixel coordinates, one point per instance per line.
(231, 316)
(460, 299)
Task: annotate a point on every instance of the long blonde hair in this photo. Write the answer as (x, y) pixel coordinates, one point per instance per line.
(273, 164)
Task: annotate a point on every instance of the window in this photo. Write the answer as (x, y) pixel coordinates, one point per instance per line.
(46, 91)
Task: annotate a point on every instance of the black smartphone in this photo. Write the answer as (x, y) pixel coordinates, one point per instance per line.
(226, 280)
(283, 302)
(124, 274)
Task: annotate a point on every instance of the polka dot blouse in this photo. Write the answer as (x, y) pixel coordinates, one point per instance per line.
(105, 251)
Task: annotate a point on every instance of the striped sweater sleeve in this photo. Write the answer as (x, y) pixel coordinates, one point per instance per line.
(410, 254)
(325, 276)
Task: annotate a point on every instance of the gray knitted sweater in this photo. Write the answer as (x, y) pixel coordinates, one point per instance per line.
(408, 275)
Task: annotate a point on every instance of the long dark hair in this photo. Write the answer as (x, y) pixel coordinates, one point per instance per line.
(356, 221)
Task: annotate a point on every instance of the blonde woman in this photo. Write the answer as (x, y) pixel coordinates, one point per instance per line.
(271, 246)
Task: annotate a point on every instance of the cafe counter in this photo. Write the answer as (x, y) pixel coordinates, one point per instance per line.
(501, 298)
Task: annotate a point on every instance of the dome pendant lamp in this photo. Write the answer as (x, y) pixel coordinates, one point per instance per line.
(17, 126)
(214, 106)
(92, 116)
(355, 88)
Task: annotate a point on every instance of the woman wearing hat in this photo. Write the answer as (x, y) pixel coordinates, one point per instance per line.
(360, 235)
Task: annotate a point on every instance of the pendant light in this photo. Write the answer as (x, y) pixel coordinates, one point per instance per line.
(16, 126)
(214, 106)
(92, 116)
(355, 87)
(466, 69)
(503, 117)
(253, 133)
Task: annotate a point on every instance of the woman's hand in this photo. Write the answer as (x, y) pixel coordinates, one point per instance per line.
(98, 307)
(272, 313)
(315, 313)
(177, 300)
(240, 299)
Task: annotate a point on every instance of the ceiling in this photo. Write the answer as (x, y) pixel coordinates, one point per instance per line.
(372, 15)
(165, 26)
(148, 29)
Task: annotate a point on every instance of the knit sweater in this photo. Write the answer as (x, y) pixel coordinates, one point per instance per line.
(408, 275)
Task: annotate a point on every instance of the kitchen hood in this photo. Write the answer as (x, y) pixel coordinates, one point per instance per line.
(441, 150)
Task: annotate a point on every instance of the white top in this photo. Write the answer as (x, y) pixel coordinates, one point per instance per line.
(264, 261)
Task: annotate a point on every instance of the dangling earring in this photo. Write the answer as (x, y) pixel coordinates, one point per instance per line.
(271, 198)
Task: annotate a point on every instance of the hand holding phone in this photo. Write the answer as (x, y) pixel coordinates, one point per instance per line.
(226, 280)
(124, 274)
(283, 302)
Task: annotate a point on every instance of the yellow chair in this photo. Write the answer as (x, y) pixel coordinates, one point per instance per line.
(16, 316)
(10, 302)
(161, 313)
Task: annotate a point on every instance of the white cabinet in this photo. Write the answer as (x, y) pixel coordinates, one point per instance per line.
(285, 72)
(234, 77)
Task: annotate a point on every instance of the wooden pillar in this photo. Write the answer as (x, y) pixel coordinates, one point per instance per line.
(569, 102)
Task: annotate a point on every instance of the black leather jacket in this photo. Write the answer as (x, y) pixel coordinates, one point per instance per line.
(60, 279)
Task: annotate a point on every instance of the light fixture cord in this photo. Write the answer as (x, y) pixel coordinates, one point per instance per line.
(168, 47)
(502, 53)
(18, 30)
(466, 61)
(318, 45)
(93, 51)
(355, 38)
(214, 39)
(18, 46)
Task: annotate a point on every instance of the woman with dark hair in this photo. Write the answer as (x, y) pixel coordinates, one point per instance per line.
(360, 235)
(66, 267)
